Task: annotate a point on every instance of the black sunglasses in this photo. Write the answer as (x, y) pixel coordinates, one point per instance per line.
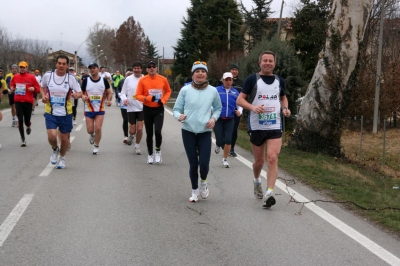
(152, 67)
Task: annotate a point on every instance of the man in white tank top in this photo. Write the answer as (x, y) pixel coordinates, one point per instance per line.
(267, 99)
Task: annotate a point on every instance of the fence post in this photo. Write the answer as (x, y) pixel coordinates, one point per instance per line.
(362, 121)
(384, 142)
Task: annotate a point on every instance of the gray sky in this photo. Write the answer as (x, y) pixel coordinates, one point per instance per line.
(64, 24)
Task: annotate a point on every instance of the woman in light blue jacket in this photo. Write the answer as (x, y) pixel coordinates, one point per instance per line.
(193, 109)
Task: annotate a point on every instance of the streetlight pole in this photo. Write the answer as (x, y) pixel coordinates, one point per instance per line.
(280, 21)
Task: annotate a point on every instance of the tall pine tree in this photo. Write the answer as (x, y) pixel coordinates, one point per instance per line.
(205, 31)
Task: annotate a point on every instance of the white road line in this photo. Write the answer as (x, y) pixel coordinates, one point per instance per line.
(352, 233)
(7, 226)
(46, 171)
(79, 127)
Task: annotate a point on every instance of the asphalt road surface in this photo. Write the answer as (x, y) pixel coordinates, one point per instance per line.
(115, 209)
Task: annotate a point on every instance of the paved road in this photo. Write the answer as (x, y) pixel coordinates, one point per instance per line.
(114, 209)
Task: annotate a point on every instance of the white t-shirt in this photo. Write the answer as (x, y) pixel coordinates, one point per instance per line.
(129, 92)
(105, 75)
(58, 89)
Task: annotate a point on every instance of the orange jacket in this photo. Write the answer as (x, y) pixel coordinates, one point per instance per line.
(149, 86)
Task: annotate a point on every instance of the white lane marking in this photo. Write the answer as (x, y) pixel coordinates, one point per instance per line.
(79, 127)
(352, 233)
(7, 226)
(46, 171)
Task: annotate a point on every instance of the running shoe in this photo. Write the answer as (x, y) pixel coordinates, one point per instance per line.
(233, 154)
(37, 103)
(269, 200)
(69, 147)
(91, 138)
(54, 156)
(28, 130)
(74, 122)
(195, 196)
(137, 151)
(23, 143)
(125, 140)
(33, 112)
(130, 140)
(95, 149)
(61, 163)
(225, 163)
(258, 191)
(204, 192)
(158, 157)
(217, 149)
(14, 123)
(150, 159)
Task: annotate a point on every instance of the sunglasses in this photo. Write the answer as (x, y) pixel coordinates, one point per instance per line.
(152, 67)
(199, 63)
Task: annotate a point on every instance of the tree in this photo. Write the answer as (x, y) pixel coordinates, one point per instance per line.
(129, 44)
(152, 51)
(256, 22)
(320, 120)
(310, 24)
(99, 44)
(205, 31)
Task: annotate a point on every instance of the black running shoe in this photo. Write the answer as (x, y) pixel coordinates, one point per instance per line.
(269, 201)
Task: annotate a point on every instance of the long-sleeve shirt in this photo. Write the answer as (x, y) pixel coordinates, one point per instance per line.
(21, 82)
(149, 86)
(196, 105)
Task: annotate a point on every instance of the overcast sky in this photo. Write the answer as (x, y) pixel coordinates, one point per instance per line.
(64, 24)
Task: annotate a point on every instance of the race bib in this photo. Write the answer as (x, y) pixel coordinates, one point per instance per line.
(95, 98)
(57, 98)
(157, 93)
(20, 89)
(267, 119)
(133, 97)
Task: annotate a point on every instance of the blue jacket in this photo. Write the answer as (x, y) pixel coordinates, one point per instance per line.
(196, 105)
(228, 100)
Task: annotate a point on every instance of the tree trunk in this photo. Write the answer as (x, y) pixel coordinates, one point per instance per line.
(320, 118)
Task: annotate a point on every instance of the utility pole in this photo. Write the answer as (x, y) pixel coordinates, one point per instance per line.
(379, 79)
(280, 21)
(229, 34)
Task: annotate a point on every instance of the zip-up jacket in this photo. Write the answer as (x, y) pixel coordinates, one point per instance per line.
(21, 82)
(228, 100)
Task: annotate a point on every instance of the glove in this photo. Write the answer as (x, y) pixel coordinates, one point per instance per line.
(160, 103)
(153, 99)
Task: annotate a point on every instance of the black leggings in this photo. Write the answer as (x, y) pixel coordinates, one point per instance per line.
(74, 108)
(201, 143)
(153, 117)
(235, 132)
(124, 114)
(24, 110)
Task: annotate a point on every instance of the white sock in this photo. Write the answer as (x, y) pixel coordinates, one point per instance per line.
(195, 191)
(257, 180)
(137, 145)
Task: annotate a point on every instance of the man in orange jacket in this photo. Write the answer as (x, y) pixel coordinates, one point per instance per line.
(154, 91)
(24, 85)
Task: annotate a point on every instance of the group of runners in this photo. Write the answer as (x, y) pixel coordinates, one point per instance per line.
(200, 107)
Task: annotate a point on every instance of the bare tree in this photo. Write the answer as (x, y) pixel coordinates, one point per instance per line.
(99, 44)
(320, 119)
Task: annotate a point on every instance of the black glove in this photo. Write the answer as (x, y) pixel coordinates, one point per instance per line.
(160, 103)
(153, 99)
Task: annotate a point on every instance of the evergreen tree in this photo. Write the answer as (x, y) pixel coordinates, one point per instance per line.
(152, 51)
(205, 31)
(256, 22)
(310, 24)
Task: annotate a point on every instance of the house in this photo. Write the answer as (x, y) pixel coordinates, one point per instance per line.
(73, 60)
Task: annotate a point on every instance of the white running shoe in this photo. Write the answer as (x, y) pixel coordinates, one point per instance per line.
(225, 163)
(137, 151)
(130, 140)
(74, 122)
(95, 149)
(217, 149)
(150, 159)
(125, 140)
(158, 157)
(204, 192)
(23, 143)
(54, 156)
(269, 200)
(195, 196)
(258, 191)
(61, 163)
(91, 138)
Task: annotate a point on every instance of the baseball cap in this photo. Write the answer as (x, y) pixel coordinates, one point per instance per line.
(151, 62)
(227, 75)
(1, 70)
(23, 64)
(232, 66)
(71, 68)
(199, 65)
(37, 71)
(93, 65)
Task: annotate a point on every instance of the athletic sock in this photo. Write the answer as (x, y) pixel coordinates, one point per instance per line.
(158, 149)
(257, 180)
(269, 190)
(203, 183)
